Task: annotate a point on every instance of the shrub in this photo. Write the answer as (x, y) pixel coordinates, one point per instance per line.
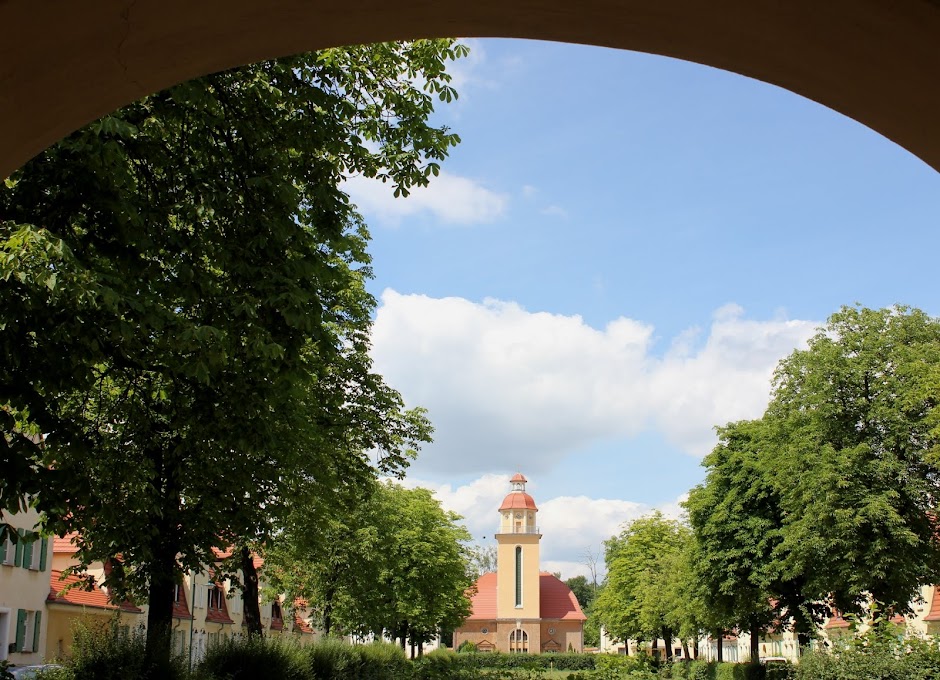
(244, 657)
(110, 652)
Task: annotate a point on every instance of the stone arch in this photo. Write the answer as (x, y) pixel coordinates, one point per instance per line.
(63, 64)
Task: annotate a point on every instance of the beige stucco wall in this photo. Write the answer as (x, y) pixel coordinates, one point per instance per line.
(506, 579)
(565, 633)
(23, 589)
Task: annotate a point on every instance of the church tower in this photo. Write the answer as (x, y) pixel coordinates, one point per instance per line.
(518, 539)
(518, 608)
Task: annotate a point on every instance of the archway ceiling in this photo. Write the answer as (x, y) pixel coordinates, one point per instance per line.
(64, 63)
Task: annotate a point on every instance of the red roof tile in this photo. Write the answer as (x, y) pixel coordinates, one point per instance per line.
(836, 621)
(65, 545)
(79, 595)
(934, 613)
(556, 601)
(518, 500)
(214, 615)
(181, 608)
(300, 625)
(483, 602)
(519, 477)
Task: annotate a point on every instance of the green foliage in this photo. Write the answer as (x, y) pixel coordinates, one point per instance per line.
(395, 563)
(184, 314)
(111, 652)
(843, 462)
(251, 656)
(878, 653)
(642, 596)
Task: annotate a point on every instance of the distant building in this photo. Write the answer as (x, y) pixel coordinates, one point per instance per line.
(520, 608)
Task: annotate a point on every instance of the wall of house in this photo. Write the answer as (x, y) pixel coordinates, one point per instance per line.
(24, 586)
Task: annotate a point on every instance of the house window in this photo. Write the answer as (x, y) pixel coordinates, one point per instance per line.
(8, 552)
(518, 576)
(519, 641)
(27, 630)
(216, 597)
(35, 553)
(276, 611)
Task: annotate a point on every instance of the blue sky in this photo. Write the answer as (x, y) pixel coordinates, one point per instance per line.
(613, 261)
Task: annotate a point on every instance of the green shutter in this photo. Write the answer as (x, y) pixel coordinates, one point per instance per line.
(36, 630)
(43, 553)
(20, 629)
(27, 552)
(18, 558)
(3, 551)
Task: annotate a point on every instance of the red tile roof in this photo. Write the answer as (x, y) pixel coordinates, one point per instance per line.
(181, 608)
(519, 477)
(65, 545)
(556, 601)
(80, 596)
(300, 625)
(518, 500)
(214, 615)
(934, 613)
(483, 602)
(836, 621)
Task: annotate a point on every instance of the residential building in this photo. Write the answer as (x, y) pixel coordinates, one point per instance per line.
(24, 586)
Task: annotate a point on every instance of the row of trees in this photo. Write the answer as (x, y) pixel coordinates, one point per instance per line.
(827, 502)
(184, 316)
(391, 563)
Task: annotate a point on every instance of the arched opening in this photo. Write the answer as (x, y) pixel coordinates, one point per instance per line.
(518, 642)
(63, 65)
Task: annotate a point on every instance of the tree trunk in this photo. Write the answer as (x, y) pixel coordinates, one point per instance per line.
(719, 635)
(412, 649)
(667, 643)
(695, 650)
(160, 611)
(655, 648)
(328, 608)
(162, 587)
(251, 606)
(685, 649)
(755, 642)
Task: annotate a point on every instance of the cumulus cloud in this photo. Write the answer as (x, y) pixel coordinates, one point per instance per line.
(507, 387)
(448, 199)
(571, 526)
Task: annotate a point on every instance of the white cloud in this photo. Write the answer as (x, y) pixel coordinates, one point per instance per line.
(571, 526)
(449, 199)
(506, 387)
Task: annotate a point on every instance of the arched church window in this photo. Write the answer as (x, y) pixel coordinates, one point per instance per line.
(519, 641)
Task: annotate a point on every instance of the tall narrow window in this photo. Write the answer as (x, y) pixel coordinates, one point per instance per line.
(518, 576)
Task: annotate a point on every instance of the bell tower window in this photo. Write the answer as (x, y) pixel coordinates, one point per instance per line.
(518, 575)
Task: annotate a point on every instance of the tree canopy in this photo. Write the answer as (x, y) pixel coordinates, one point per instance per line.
(830, 499)
(184, 311)
(393, 562)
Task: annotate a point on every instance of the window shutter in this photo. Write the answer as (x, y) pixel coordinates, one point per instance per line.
(20, 628)
(3, 551)
(27, 552)
(36, 630)
(200, 599)
(20, 545)
(43, 554)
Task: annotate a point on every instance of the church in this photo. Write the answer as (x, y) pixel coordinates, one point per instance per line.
(520, 608)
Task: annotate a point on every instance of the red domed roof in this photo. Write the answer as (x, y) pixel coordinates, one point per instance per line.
(518, 500)
(519, 477)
